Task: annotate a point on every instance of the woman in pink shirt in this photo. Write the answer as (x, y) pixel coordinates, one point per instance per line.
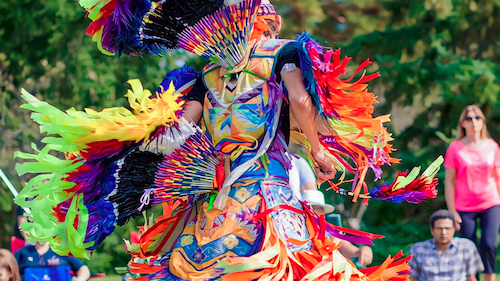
(472, 184)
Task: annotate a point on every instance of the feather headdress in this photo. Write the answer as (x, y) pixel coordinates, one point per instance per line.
(134, 27)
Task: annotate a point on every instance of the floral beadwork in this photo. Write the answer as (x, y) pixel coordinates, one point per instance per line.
(230, 241)
(199, 256)
(186, 240)
(242, 194)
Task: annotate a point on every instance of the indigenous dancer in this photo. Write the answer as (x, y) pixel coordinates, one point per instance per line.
(228, 210)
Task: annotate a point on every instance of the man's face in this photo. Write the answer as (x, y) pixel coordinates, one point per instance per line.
(443, 231)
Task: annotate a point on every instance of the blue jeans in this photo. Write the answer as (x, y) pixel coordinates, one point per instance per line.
(490, 225)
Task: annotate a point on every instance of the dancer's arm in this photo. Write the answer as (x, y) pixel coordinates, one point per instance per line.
(322, 127)
(193, 109)
(305, 113)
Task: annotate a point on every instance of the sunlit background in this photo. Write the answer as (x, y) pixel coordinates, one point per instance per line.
(435, 57)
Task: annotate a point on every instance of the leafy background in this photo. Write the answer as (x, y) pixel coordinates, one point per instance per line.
(435, 57)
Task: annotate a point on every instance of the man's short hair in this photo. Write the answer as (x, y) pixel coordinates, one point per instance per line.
(439, 215)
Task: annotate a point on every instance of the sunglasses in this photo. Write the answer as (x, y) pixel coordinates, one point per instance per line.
(469, 118)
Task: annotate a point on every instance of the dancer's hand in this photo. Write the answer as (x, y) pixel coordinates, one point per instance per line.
(365, 255)
(323, 166)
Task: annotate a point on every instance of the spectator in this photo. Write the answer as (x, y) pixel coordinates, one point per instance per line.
(444, 257)
(471, 187)
(20, 218)
(302, 176)
(303, 184)
(316, 199)
(41, 256)
(9, 270)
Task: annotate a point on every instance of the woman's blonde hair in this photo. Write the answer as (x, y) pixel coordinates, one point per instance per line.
(9, 262)
(479, 112)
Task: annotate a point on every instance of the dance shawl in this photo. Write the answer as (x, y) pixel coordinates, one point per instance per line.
(119, 162)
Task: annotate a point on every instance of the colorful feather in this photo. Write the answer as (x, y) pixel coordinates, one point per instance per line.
(223, 35)
(133, 27)
(347, 108)
(182, 79)
(112, 156)
(166, 20)
(115, 26)
(189, 170)
(408, 188)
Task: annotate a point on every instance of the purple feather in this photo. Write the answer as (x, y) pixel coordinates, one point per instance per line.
(121, 28)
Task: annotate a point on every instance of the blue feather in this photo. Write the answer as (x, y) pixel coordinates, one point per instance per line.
(307, 68)
(179, 77)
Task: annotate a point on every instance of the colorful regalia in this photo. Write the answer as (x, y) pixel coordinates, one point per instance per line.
(228, 211)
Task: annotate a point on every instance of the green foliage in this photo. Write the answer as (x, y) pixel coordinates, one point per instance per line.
(435, 57)
(112, 252)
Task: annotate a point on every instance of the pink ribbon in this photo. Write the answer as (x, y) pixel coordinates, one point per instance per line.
(145, 197)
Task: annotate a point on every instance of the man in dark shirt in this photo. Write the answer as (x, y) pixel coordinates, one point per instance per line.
(41, 256)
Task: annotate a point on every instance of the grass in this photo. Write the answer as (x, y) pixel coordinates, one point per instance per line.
(108, 278)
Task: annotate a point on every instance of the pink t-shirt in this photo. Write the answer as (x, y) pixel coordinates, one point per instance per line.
(476, 188)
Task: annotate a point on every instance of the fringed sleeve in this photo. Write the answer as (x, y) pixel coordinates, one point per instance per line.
(353, 134)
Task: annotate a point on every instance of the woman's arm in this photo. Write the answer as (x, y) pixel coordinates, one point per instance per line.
(497, 166)
(497, 177)
(302, 107)
(305, 114)
(450, 184)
